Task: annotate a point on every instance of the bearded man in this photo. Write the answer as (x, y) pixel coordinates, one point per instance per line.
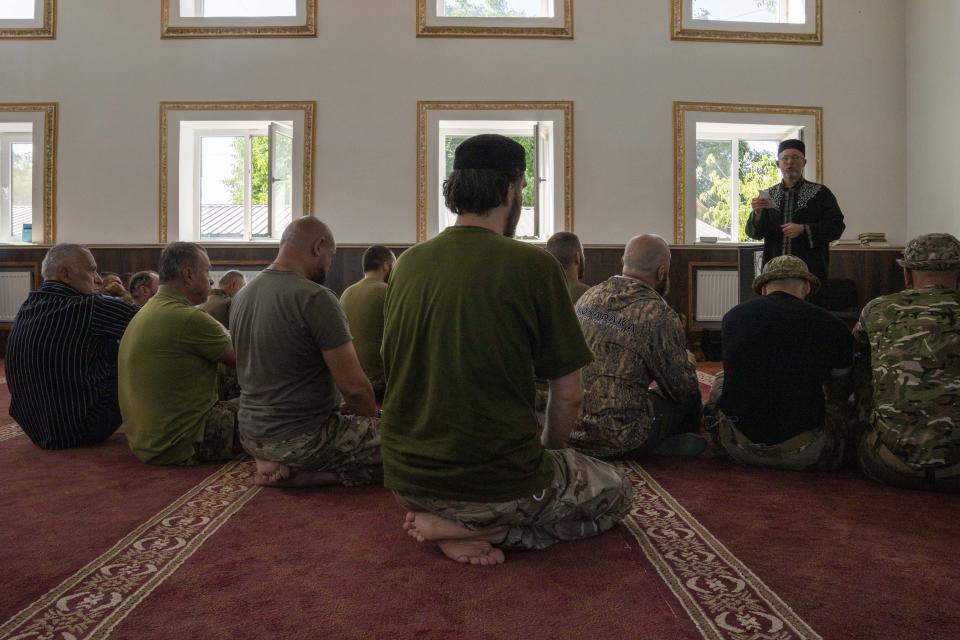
(470, 318)
(295, 361)
(637, 339)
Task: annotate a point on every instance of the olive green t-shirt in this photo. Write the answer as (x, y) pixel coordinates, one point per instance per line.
(363, 304)
(470, 318)
(167, 376)
(218, 306)
(576, 289)
(282, 323)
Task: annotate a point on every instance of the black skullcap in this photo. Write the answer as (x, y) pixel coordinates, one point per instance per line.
(792, 144)
(490, 151)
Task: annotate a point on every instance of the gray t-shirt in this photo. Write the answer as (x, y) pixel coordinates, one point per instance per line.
(281, 322)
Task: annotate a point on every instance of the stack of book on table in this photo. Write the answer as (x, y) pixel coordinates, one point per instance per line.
(873, 239)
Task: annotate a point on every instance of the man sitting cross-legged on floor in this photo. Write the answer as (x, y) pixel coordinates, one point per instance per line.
(169, 359)
(470, 317)
(143, 286)
(363, 304)
(219, 301)
(62, 354)
(637, 339)
(910, 392)
(781, 354)
(294, 352)
(568, 251)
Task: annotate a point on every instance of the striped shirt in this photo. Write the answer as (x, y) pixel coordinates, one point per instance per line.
(62, 362)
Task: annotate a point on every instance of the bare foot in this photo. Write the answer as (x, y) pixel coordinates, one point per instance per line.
(277, 474)
(270, 472)
(427, 527)
(475, 552)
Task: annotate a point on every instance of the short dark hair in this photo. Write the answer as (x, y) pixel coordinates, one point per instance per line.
(564, 246)
(375, 257)
(477, 191)
(140, 279)
(177, 256)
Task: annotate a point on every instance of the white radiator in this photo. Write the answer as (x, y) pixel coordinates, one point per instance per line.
(718, 291)
(14, 289)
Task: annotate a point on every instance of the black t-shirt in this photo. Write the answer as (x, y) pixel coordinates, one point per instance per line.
(777, 352)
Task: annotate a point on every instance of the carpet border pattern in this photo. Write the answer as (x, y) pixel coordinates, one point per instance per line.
(724, 599)
(11, 430)
(93, 601)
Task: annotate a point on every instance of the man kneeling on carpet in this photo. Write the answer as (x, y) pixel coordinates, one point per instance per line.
(294, 352)
(636, 339)
(470, 318)
(62, 354)
(911, 393)
(781, 356)
(168, 371)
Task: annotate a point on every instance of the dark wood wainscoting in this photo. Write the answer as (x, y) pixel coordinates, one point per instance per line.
(873, 269)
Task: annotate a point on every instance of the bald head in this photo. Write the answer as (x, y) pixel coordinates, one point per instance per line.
(303, 232)
(644, 253)
(307, 247)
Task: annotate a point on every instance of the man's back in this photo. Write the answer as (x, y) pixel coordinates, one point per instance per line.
(218, 306)
(282, 323)
(915, 356)
(778, 351)
(636, 339)
(168, 376)
(363, 305)
(60, 359)
(470, 317)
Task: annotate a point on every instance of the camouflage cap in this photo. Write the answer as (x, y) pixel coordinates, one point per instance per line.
(783, 268)
(932, 252)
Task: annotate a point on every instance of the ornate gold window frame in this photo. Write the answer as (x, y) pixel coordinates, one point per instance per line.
(423, 109)
(466, 30)
(50, 110)
(47, 30)
(171, 31)
(680, 110)
(309, 125)
(678, 30)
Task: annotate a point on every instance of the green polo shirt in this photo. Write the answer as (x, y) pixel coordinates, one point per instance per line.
(470, 318)
(363, 304)
(167, 376)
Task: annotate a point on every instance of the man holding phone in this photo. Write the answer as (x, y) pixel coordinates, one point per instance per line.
(797, 217)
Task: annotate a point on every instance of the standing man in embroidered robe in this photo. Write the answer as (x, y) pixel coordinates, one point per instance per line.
(800, 218)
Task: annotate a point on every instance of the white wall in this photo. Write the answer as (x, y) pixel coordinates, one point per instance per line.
(109, 69)
(933, 120)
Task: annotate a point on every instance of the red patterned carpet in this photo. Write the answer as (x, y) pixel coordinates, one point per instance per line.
(94, 545)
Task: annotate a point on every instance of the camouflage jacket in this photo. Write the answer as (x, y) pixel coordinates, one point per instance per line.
(636, 339)
(912, 342)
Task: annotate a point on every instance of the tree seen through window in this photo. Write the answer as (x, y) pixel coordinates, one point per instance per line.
(757, 170)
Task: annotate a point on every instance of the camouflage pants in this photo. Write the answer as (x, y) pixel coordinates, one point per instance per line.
(228, 387)
(821, 448)
(346, 445)
(880, 464)
(586, 497)
(220, 438)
